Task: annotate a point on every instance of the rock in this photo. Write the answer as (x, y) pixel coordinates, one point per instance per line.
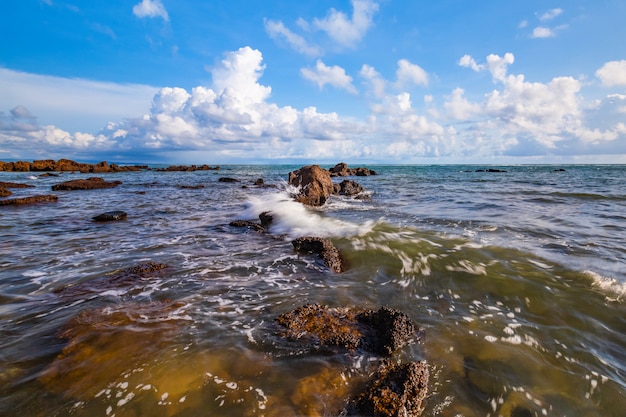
(48, 174)
(324, 248)
(266, 219)
(315, 185)
(192, 187)
(348, 188)
(248, 224)
(188, 168)
(88, 184)
(320, 327)
(43, 165)
(342, 170)
(395, 391)
(110, 216)
(4, 184)
(226, 179)
(29, 200)
(4, 192)
(132, 276)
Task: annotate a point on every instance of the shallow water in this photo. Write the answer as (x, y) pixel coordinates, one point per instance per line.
(517, 279)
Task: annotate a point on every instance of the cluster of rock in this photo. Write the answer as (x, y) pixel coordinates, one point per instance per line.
(188, 168)
(316, 186)
(65, 165)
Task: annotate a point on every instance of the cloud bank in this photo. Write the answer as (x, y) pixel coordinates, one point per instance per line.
(234, 119)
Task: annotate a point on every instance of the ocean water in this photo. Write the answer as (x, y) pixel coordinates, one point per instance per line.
(517, 280)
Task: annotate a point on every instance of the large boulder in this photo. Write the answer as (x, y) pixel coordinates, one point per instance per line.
(314, 183)
(85, 184)
(395, 391)
(348, 188)
(43, 165)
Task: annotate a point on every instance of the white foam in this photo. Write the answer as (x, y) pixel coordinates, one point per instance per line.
(296, 220)
(615, 290)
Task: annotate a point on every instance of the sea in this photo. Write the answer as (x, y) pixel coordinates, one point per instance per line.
(514, 275)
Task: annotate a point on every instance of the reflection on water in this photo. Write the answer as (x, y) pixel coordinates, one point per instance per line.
(506, 332)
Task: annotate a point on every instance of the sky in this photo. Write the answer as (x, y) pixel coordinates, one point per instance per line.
(360, 81)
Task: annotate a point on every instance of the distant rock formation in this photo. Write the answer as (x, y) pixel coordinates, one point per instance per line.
(65, 165)
(342, 170)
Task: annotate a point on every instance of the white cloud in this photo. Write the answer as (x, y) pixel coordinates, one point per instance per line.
(459, 108)
(613, 73)
(278, 30)
(409, 73)
(345, 31)
(333, 75)
(542, 32)
(376, 83)
(468, 62)
(551, 14)
(150, 8)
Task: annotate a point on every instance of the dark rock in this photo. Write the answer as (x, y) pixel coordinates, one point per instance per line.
(48, 174)
(88, 184)
(4, 184)
(348, 188)
(342, 170)
(192, 187)
(110, 216)
(248, 224)
(126, 278)
(321, 327)
(266, 219)
(259, 181)
(4, 192)
(188, 168)
(29, 200)
(226, 179)
(315, 185)
(322, 247)
(395, 391)
(559, 170)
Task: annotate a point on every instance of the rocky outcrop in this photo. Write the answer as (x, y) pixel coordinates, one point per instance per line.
(314, 183)
(65, 165)
(85, 184)
(4, 184)
(29, 200)
(188, 168)
(322, 247)
(394, 391)
(110, 216)
(348, 188)
(266, 220)
(342, 170)
(317, 327)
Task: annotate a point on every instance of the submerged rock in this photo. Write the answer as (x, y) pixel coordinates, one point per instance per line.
(4, 184)
(29, 200)
(395, 391)
(85, 184)
(316, 327)
(324, 248)
(110, 216)
(246, 223)
(314, 183)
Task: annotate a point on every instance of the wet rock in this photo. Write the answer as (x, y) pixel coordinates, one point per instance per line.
(4, 192)
(104, 344)
(322, 247)
(266, 219)
(227, 179)
(192, 187)
(110, 216)
(348, 188)
(395, 391)
(246, 223)
(4, 184)
(318, 327)
(85, 184)
(188, 168)
(29, 200)
(315, 185)
(48, 174)
(321, 394)
(342, 170)
(134, 276)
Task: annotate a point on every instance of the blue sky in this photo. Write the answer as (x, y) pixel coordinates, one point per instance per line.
(375, 81)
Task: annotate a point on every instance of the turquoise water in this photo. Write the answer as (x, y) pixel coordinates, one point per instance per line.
(517, 279)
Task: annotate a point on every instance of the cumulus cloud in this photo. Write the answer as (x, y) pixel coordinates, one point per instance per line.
(343, 31)
(409, 73)
(542, 32)
(346, 31)
(150, 8)
(613, 73)
(333, 75)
